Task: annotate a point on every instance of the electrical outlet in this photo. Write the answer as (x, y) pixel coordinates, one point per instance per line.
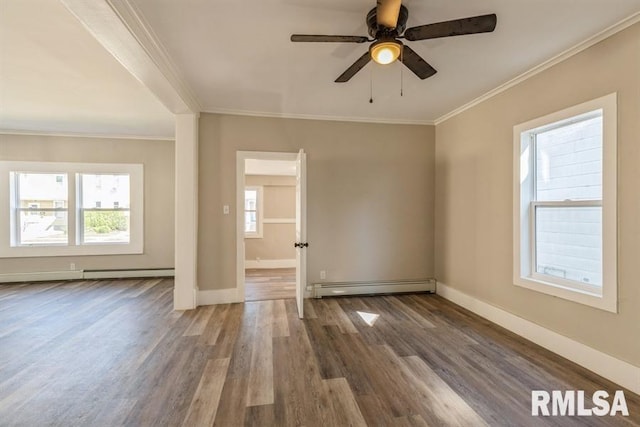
(72, 266)
(225, 209)
(323, 274)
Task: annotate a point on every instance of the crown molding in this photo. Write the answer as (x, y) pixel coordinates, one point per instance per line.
(320, 117)
(84, 135)
(606, 33)
(121, 29)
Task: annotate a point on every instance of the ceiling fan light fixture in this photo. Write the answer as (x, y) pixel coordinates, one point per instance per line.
(385, 51)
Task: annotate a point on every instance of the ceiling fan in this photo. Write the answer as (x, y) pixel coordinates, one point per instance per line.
(386, 23)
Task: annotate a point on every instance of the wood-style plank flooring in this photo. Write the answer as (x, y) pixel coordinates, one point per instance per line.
(269, 283)
(111, 353)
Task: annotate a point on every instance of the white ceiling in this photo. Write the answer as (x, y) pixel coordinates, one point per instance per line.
(236, 57)
(55, 77)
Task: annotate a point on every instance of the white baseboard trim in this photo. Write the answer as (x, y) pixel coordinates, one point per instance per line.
(217, 296)
(270, 263)
(616, 370)
(48, 276)
(184, 299)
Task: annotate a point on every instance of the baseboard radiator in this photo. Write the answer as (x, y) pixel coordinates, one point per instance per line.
(47, 276)
(326, 289)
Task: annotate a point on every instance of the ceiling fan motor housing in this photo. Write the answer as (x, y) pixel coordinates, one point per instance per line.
(383, 32)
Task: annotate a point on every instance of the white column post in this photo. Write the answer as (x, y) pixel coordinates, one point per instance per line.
(186, 212)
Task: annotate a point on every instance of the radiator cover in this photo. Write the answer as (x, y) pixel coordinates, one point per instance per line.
(372, 288)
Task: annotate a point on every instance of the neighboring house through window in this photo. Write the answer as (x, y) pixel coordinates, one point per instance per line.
(40, 214)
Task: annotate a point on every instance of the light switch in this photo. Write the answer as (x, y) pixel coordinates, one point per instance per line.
(225, 209)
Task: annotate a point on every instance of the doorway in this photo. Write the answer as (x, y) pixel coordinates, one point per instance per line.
(269, 210)
(269, 283)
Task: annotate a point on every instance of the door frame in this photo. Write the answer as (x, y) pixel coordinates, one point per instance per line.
(241, 156)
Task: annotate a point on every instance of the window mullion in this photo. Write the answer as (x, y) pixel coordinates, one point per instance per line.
(18, 219)
(41, 210)
(72, 216)
(568, 203)
(534, 165)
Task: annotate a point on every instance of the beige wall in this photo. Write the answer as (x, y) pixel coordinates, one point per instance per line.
(279, 201)
(158, 160)
(473, 242)
(369, 194)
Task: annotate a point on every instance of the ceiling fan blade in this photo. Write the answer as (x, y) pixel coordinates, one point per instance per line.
(415, 63)
(387, 13)
(357, 66)
(327, 39)
(457, 27)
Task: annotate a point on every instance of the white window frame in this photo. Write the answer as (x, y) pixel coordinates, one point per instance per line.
(260, 214)
(8, 247)
(98, 208)
(524, 205)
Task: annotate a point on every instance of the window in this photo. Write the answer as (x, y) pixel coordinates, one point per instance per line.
(61, 209)
(253, 212)
(40, 209)
(564, 204)
(104, 208)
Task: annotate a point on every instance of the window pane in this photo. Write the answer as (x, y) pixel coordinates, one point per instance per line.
(106, 227)
(250, 199)
(43, 228)
(39, 192)
(569, 162)
(250, 223)
(42, 190)
(569, 243)
(105, 191)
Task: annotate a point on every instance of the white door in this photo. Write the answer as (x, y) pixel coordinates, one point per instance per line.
(301, 230)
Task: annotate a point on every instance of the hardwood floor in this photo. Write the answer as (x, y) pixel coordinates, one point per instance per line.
(111, 353)
(269, 283)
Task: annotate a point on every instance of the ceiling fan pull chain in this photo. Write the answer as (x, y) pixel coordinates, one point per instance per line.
(371, 86)
(401, 71)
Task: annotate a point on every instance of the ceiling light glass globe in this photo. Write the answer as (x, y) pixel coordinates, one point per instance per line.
(385, 52)
(385, 56)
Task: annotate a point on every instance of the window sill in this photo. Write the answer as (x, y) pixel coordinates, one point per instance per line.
(84, 250)
(603, 302)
